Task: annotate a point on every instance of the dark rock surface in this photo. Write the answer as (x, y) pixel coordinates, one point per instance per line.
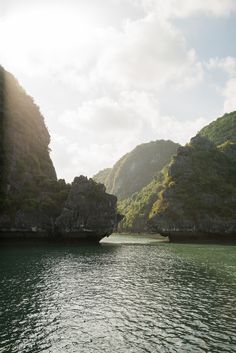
(194, 197)
(198, 200)
(88, 209)
(33, 203)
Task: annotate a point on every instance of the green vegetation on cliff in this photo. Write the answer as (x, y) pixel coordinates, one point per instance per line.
(137, 207)
(32, 200)
(221, 130)
(161, 186)
(137, 168)
(201, 181)
(28, 183)
(196, 192)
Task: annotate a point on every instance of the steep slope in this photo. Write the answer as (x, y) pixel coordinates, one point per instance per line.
(137, 207)
(24, 133)
(30, 192)
(101, 176)
(31, 197)
(221, 130)
(137, 168)
(194, 198)
(198, 199)
(88, 208)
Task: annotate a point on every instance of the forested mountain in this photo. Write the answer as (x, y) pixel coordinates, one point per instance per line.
(195, 195)
(137, 168)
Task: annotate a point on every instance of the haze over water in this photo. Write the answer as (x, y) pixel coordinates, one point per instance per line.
(132, 298)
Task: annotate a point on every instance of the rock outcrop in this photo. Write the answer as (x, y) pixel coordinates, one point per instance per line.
(88, 211)
(194, 197)
(31, 197)
(197, 200)
(27, 172)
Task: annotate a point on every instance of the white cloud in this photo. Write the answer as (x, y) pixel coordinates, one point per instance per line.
(227, 64)
(230, 96)
(103, 130)
(127, 117)
(147, 54)
(49, 42)
(106, 81)
(185, 8)
(142, 54)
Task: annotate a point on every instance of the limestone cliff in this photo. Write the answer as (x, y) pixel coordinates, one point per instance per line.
(88, 209)
(137, 168)
(197, 200)
(194, 197)
(26, 167)
(102, 175)
(31, 197)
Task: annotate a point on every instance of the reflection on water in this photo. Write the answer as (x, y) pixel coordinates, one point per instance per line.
(118, 298)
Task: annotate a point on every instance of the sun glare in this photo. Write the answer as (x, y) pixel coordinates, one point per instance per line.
(36, 35)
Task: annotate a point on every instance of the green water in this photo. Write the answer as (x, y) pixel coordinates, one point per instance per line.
(131, 295)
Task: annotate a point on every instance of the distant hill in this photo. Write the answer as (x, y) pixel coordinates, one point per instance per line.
(137, 168)
(101, 176)
(195, 195)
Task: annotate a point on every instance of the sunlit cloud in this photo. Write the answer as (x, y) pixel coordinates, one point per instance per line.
(116, 126)
(227, 64)
(42, 39)
(112, 74)
(184, 8)
(147, 54)
(230, 96)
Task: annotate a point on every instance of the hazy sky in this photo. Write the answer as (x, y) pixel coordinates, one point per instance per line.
(110, 74)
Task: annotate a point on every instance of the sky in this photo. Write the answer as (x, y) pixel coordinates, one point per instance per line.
(111, 74)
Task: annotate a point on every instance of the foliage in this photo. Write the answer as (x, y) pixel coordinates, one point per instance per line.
(200, 180)
(137, 207)
(221, 130)
(137, 168)
(199, 191)
(27, 176)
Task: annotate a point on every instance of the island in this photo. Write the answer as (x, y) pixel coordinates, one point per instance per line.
(34, 204)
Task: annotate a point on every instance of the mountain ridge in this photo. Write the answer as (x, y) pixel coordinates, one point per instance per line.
(137, 168)
(199, 179)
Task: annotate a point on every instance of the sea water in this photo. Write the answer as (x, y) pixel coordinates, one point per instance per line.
(131, 295)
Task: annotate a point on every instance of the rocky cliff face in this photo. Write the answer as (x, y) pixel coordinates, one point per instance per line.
(88, 209)
(194, 197)
(26, 167)
(31, 197)
(25, 136)
(137, 168)
(197, 200)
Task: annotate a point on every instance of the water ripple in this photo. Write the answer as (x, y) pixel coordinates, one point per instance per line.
(120, 298)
